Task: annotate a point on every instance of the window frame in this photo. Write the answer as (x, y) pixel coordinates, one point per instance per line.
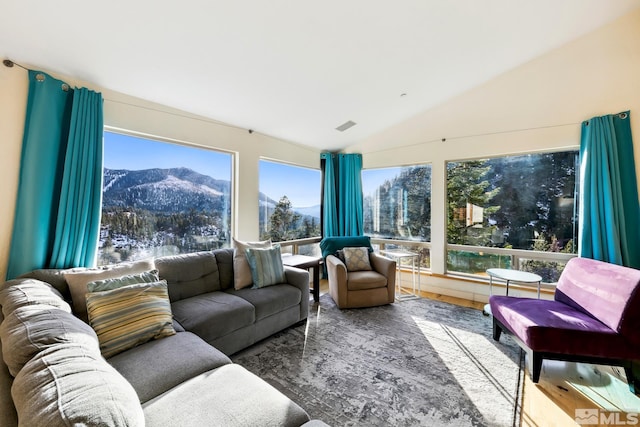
(233, 159)
(386, 240)
(293, 242)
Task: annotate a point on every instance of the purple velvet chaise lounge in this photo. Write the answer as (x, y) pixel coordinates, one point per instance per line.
(594, 318)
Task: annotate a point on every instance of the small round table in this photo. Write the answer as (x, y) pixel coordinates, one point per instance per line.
(510, 276)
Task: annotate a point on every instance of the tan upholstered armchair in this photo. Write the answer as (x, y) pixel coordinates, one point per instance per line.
(350, 289)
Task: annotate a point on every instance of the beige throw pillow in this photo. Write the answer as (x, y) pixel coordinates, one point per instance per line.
(78, 280)
(357, 259)
(241, 269)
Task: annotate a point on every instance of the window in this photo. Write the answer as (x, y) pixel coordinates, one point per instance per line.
(397, 203)
(397, 206)
(289, 201)
(526, 202)
(160, 198)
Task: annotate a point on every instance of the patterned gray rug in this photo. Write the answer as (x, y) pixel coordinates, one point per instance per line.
(413, 363)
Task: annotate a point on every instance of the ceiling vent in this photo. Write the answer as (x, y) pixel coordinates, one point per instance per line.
(346, 126)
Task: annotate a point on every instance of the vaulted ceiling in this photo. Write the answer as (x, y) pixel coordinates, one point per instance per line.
(295, 69)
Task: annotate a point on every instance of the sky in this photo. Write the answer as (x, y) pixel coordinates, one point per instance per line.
(373, 178)
(300, 185)
(132, 153)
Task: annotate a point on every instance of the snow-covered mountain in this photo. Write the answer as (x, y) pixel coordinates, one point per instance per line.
(176, 190)
(312, 211)
(164, 190)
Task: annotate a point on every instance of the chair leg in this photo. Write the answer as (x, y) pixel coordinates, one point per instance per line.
(536, 366)
(631, 379)
(496, 330)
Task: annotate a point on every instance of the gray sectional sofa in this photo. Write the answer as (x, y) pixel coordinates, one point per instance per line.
(52, 372)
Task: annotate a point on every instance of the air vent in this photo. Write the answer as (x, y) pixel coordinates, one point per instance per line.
(346, 126)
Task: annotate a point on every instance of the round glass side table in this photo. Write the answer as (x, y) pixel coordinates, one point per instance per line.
(510, 276)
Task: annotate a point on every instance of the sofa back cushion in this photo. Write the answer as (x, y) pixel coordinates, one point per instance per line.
(66, 386)
(33, 328)
(189, 275)
(54, 277)
(78, 280)
(224, 257)
(23, 292)
(608, 292)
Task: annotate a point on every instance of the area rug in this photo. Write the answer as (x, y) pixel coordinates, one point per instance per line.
(413, 363)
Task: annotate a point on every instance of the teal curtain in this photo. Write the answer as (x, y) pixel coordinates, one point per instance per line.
(342, 213)
(329, 196)
(58, 203)
(609, 209)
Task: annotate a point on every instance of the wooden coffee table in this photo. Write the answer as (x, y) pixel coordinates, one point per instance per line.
(306, 262)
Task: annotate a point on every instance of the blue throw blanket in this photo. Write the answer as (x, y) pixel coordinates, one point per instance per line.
(329, 245)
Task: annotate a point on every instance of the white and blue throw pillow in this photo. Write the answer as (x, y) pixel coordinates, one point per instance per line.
(266, 266)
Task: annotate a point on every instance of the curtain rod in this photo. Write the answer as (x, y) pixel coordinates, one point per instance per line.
(623, 115)
(40, 76)
(9, 63)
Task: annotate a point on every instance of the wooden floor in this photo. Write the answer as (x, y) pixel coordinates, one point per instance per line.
(566, 389)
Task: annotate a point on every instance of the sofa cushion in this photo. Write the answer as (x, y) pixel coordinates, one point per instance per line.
(157, 366)
(356, 259)
(242, 277)
(189, 275)
(551, 326)
(270, 300)
(129, 316)
(118, 282)
(230, 395)
(78, 280)
(361, 280)
(266, 266)
(22, 292)
(213, 315)
(66, 385)
(31, 329)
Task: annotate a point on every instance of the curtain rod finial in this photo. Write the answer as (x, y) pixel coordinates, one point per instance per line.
(8, 63)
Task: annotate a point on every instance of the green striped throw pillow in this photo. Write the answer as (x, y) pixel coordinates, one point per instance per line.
(129, 316)
(266, 266)
(118, 282)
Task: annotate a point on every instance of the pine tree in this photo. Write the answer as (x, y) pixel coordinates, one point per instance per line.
(283, 221)
(468, 184)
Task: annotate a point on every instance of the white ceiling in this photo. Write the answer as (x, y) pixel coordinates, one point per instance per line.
(294, 69)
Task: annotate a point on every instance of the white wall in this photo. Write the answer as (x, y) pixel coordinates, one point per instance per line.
(536, 107)
(594, 75)
(132, 114)
(13, 104)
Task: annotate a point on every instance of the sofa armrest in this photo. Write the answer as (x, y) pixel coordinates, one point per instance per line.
(337, 275)
(383, 265)
(7, 408)
(386, 267)
(300, 279)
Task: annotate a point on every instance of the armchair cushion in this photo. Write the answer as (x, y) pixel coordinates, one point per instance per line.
(361, 280)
